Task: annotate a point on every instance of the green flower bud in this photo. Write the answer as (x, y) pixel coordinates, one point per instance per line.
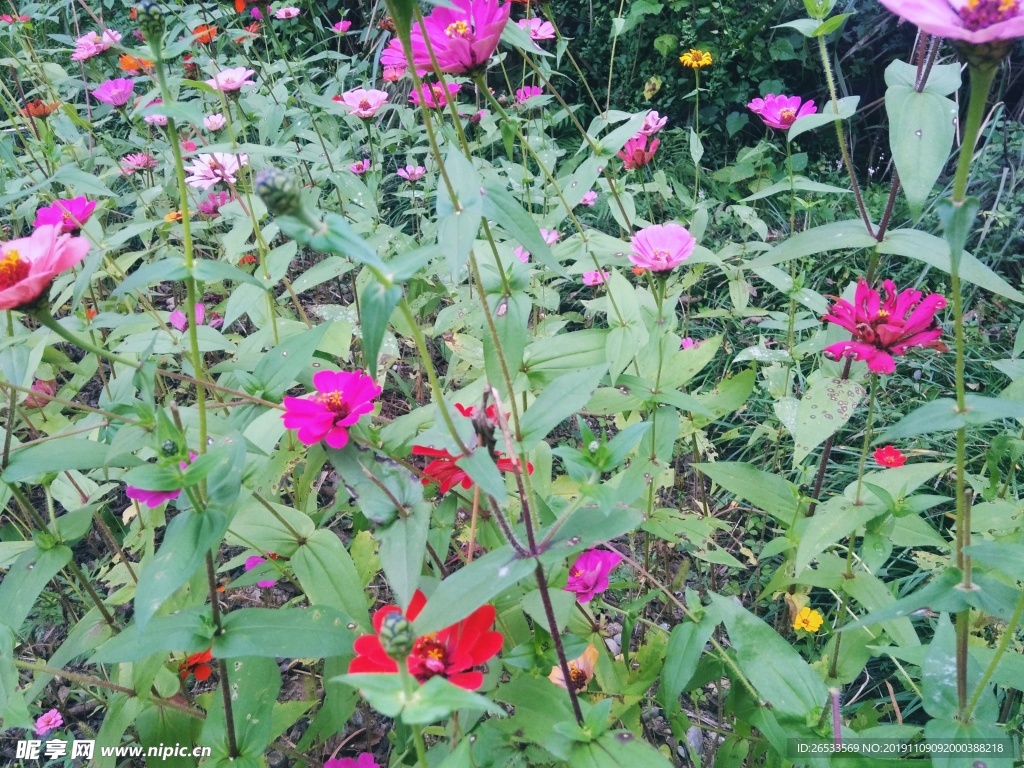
(396, 636)
(279, 191)
(169, 448)
(151, 22)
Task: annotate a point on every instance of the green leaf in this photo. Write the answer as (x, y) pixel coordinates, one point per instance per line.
(546, 359)
(457, 226)
(59, 455)
(943, 79)
(435, 700)
(328, 576)
(832, 111)
(403, 545)
(823, 410)
(188, 631)
(189, 536)
(512, 322)
(665, 44)
(617, 749)
(696, 147)
(787, 683)
(283, 365)
(921, 133)
(685, 648)
(833, 521)
(940, 594)
(254, 684)
(210, 271)
(942, 416)
(376, 484)
(799, 183)
(942, 732)
(376, 303)
(315, 632)
(334, 235)
(164, 270)
(499, 205)
(566, 395)
(838, 235)
(482, 470)
(775, 495)
(1005, 557)
(26, 579)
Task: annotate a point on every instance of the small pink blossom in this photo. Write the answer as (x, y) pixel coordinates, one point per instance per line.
(589, 198)
(154, 499)
(253, 562)
(288, 12)
(364, 103)
(256, 14)
(653, 122)
(116, 93)
(635, 154)
(179, 319)
(972, 21)
(137, 161)
(688, 343)
(433, 96)
(588, 576)
(341, 27)
(780, 112)
(94, 43)
(359, 167)
(188, 146)
(41, 392)
(69, 214)
(229, 80)
(550, 237)
(210, 207)
(48, 721)
(214, 122)
(365, 760)
(158, 120)
(341, 398)
(208, 169)
(661, 247)
(411, 173)
(7, 18)
(528, 92)
(538, 28)
(393, 74)
(595, 277)
(29, 264)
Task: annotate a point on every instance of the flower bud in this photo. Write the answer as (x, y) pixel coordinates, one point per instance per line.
(396, 636)
(279, 191)
(151, 22)
(169, 448)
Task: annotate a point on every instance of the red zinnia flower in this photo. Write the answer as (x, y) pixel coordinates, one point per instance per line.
(890, 457)
(882, 329)
(197, 664)
(453, 653)
(635, 154)
(205, 34)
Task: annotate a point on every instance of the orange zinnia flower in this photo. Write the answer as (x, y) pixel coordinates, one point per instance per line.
(205, 34)
(39, 108)
(132, 65)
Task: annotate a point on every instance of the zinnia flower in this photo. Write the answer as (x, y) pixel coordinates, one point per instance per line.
(117, 92)
(972, 21)
(38, 108)
(446, 472)
(661, 247)
(341, 27)
(550, 237)
(589, 198)
(214, 122)
(133, 65)
(454, 653)
(588, 576)
(463, 37)
(155, 119)
(884, 328)
(538, 28)
(653, 122)
(210, 207)
(93, 43)
(137, 161)
(411, 173)
(807, 620)
(581, 671)
(595, 277)
(363, 103)
(359, 167)
(204, 34)
(217, 166)
(41, 392)
(228, 80)
(29, 264)
(433, 96)
(365, 760)
(635, 154)
(289, 12)
(342, 397)
(780, 112)
(890, 457)
(696, 59)
(48, 721)
(68, 214)
(392, 74)
(197, 664)
(179, 320)
(528, 92)
(253, 562)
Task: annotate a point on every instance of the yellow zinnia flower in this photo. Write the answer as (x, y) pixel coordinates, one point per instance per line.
(695, 59)
(808, 619)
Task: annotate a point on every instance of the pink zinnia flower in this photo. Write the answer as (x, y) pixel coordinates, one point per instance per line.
(653, 123)
(253, 562)
(214, 122)
(48, 721)
(154, 499)
(588, 576)
(289, 12)
(589, 198)
(595, 277)
(117, 92)
(433, 96)
(217, 166)
(883, 328)
(411, 173)
(528, 92)
(780, 112)
(393, 74)
(6, 18)
(93, 43)
(41, 392)
(342, 397)
(363, 103)
(29, 264)
(972, 21)
(179, 319)
(393, 56)
(550, 237)
(688, 343)
(69, 214)
(341, 27)
(635, 154)
(661, 247)
(365, 760)
(156, 119)
(211, 206)
(359, 167)
(463, 37)
(228, 80)
(137, 161)
(538, 28)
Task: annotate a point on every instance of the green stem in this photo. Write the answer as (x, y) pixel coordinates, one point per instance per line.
(981, 84)
(409, 685)
(867, 439)
(47, 320)
(1004, 643)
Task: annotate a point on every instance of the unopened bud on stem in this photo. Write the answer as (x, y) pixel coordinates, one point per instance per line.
(279, 192)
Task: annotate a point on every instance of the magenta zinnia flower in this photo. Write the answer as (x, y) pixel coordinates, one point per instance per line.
(29, 264)
(653, 122)
(884, 328)
(228, 80)
(48, 721)
(635, 154)
(411, 173)
(211, 206)
(117, 92)
(341, 27)
(780, 112)
(589, 574)
(253, 562)
(342, 397)
(217, 166)
(463, 37)
(365, 760)
(363, 103)
(972, 21)
(433, 96)
(528, 92)
(69, 214)
(662, 247)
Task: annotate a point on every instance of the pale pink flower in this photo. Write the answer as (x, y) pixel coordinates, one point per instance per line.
(288, 12)
(228, 80)
(208, 169)
(29, 264)
(538, 28)
(116, 93)
(411, 173)
(341, 27)
(780, 112)
(463, 36)
(155, 119)
(972, 21)
(364, 103)
(653, 122)
(393, 74)
(550, 237)
(635, 154)
(137, 161)
(589, 198)
(433, 96)
(662, 247)
(94, 43)
(48, 721)
(214, 122)
(595, 277)
(359, 167)
(342, 397)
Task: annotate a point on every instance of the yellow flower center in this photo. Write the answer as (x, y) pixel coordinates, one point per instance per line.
(882, 313)
(787, 116)
(13, 269)
(333, 402)
(577, 677)
(457, 29)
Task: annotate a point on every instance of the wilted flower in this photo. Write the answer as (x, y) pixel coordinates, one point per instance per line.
(29, 264)
(538, 28)
(884, 328)
(342, 397)
(808, 620)
(432, 95)
(653, 122)
(550, 237)
(359, 167)
(528, 92)
(588, 576)
(581, 671)
(780, 112)
(454, 653)
(890, 457)
(48, 721)
(341, 27)
(595, 277)
(661, 247)
(38, 108)
(229, 80)
(589, 198)
(411, 173)
(364, 103)
(137, 161)
(635, 154)
(214, 122)
(462, 37)
(117, 92)
(972, 21)
(254, 562)
(289, 12)
(41, 392)
(696, 59)
(69, 214)
(197, 664)
(208, 169)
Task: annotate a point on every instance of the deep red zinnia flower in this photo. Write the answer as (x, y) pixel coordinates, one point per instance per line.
(197, 664)
(890, 457)
(453, 653)
(886, 327)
